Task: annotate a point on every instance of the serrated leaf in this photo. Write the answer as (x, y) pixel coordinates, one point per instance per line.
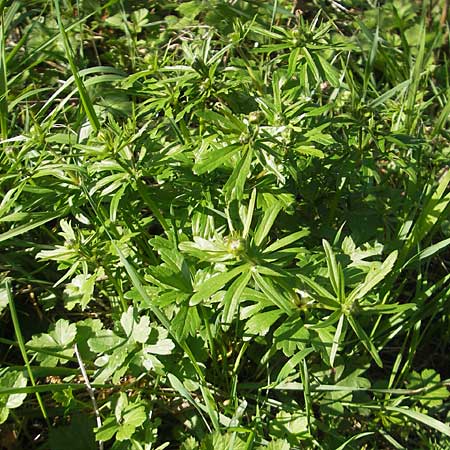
(186, 322)
(104, 341)
(291, 336)
(138, 330)
(162, 347)
(218, 441)
(133, 417)
(64, 332)
(79, 291)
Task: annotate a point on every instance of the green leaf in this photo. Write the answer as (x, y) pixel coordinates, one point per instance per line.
(422, 418)
(291, 336)
(354, 438)
(104, 341)
(333, 270)
(210, 160)
(267, 221)
(273, 293)
(11, 379)
(287, 240)
(138, 330)
(234, 187)
(232, 297)
(433, 393)
(320, 292)
(215, 283)
(58, 341)
(133, 417)
(276, 444)
(64, 333)
(375, 276)
(79, 291)
(292, 362)
(128, 417)
(293, 426)
(338, 336)
(187, 322)
(181, 389)
(22, 229)
(367, 342)
(260, 323)
(218, 441)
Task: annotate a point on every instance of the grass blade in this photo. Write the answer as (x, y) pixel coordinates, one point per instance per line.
(84, 96)
(422, 418)
(21, 229)
(3, 86)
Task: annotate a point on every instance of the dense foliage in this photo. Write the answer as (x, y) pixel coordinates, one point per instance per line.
(224, 225)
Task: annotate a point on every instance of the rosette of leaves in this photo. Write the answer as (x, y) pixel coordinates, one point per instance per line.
(225, 268)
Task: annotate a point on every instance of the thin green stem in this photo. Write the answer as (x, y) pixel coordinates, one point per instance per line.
(23, 351)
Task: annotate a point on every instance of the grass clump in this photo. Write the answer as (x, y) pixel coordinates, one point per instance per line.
(224, 225)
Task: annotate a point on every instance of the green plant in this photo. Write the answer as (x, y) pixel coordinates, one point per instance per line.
(226, 228)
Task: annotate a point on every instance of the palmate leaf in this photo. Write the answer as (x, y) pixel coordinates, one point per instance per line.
(59, 340)
(128, 417)
(291, 335)
(224, 101)
(134, 328)
(187, 322)
(79, 291)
